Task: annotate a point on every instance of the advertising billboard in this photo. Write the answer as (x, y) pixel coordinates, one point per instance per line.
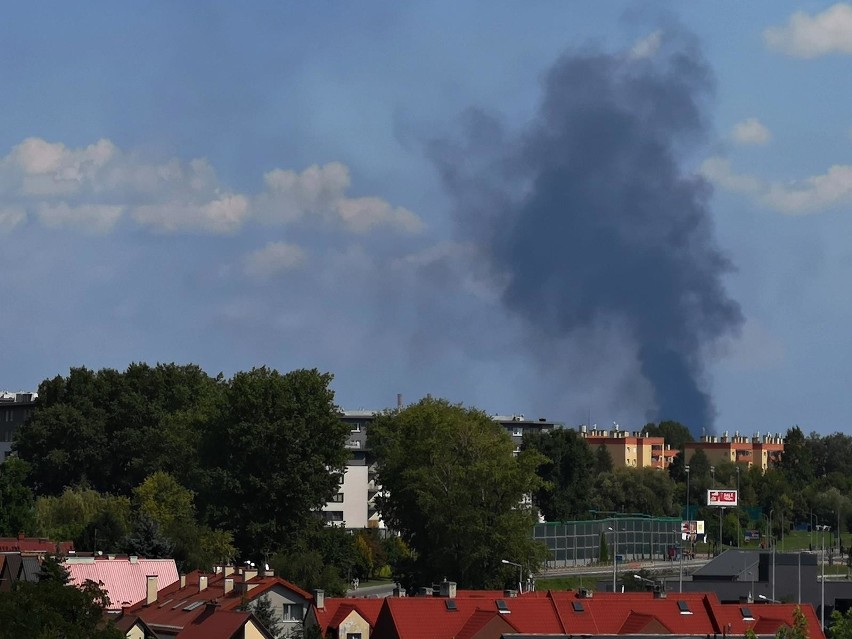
(721, 497)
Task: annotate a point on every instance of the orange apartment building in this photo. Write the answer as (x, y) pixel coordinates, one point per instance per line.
(633, 450)
(739, 449)
(638, 450)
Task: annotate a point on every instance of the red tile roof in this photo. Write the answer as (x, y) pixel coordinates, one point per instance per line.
(35, 544)
(217, 624)
(124, 578)
(177, 606)
(335, 610)
(567, 614)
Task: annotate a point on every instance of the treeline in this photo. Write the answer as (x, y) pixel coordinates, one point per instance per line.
(166, 460)
(810, 484)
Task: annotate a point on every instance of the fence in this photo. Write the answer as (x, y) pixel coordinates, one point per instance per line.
(577, 543)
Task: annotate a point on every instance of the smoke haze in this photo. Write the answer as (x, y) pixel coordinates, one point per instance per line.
(589, 219)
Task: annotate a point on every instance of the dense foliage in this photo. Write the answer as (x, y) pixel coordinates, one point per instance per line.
(54, 608)
(454, 492)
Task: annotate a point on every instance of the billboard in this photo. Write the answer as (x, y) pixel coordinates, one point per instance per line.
(692, 527)
(721, 497)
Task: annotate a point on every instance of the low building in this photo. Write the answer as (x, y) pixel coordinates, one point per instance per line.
(171, 610)
(489, 615)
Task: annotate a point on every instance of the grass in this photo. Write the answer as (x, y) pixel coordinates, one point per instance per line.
(570, 582)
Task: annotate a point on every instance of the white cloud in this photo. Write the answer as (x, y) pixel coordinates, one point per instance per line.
(225, 214)
(751, 131)
(274, 258)
(10, 217)
(809, 195)
(91, 187)
(321, 191)
(809, 36)
(646, 47)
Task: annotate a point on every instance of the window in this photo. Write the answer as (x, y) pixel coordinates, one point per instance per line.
(451, 605)
(517, 431)
(746, 612)
(578, 606)
(333, 515)
(355, 428)
(293, 612)
(353, 635)
(338, 498)
(502, 608)
(340, 478)
(684, 608)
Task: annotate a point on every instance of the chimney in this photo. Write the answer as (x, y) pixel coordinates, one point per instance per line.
(448, 589)
(423, 591)
(229, 584)
(510, 594)
(150, 589)
(399, 400)
(229, 570)
(398, 592)
(183, 581)
(249, 574)
(319, 599)
(202, 583)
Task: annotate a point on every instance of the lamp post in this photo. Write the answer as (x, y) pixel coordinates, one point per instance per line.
(771, 541)
(688, 515)
(739, 533)
(823, 529)
(614, 530)
(520, 575)
(769, 599)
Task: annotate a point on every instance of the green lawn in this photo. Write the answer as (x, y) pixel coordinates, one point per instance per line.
(571, 582)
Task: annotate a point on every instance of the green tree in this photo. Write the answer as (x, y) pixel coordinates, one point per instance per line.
(16, 499)
(796, 464)
(263, 609)
(799, 629)
(94, 521)
(274, 457)
(147, 540)
(841, 624)
(603, 555)
(454, 492)
(567, 472)
(54, 608)
(675, 433)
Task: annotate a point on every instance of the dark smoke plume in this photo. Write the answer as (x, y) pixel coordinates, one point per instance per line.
(588, 217)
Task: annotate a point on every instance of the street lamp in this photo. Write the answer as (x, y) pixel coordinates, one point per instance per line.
(688, 516)
(769, 599)
(614, 555)
(739, 532)
(647, 581)
(822, 528)
(712, 477)
(520, 574)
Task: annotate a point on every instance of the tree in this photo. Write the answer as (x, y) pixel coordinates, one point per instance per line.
(567, 472)
(604, 550)
(796, 463)
(799, 629)
(263, 609)
(147, 540)
(454, 492)
(16, 499)
(54, 608)
(674, 433)
(841, 624)
(274, 457)
(94, 521)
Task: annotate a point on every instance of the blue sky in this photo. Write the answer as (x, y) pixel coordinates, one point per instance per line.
(243, 186)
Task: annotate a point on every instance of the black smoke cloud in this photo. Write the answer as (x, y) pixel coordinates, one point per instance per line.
(588, 216)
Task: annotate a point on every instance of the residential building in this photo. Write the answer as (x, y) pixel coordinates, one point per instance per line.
(36, 545)
(17, 566)
(563, 614)
(354, 505)
(124, 578)
(631, 449)
(757, 450)
(171, 610)
(15, 409)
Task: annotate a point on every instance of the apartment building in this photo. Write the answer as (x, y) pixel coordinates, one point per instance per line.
(15, 409)
(631, 449)
(354, 506)
(738, 449)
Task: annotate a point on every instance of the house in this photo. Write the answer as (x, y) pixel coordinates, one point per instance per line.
(169, 611)
(38, 545)
(123, 578)
(214, 623)
(134, 628)
(631, 449)
(489, 615)
(17, 566)
(344, 617)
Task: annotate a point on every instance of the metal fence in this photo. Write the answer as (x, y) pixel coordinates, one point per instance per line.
(578, 543)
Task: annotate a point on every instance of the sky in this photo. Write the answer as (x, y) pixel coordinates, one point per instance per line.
(587, 212)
